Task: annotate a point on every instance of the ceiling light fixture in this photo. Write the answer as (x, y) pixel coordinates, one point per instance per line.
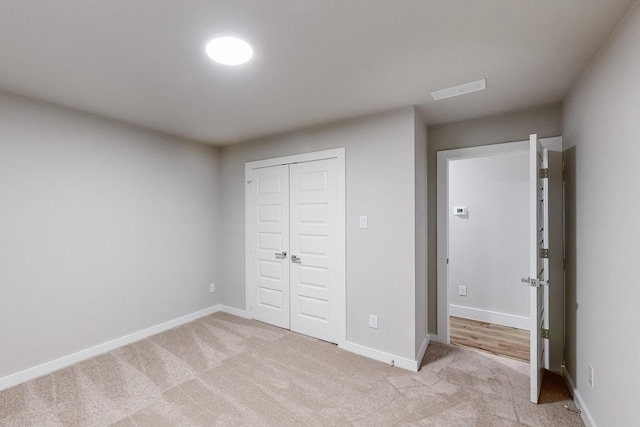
(459, 90)
(229, 50)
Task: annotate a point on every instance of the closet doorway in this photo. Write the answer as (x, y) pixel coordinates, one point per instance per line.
(295, 240)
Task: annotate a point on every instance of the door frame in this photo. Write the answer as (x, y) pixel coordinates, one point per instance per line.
(443, 159)
(340, 257)
(442, 202)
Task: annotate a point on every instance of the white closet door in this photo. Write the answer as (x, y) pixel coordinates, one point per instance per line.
(315, 282)
(269, 245)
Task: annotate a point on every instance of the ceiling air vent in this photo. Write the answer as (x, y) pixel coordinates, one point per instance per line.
(459, 90)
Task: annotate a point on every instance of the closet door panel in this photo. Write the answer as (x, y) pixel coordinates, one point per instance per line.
(269, 221)
(313, 221)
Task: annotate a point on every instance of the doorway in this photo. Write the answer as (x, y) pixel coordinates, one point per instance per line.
(487, 220)
(551, 297)
(295, 260)
(462, 156)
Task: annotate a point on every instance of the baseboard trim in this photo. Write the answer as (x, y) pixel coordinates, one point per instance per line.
(436, 338)
(480, 315)
(65, 361)
(423, 350)
(235, 311)
(381, 356)
(577, 399)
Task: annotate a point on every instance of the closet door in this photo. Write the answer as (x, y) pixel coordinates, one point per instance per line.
(268, 219)
(315, 307)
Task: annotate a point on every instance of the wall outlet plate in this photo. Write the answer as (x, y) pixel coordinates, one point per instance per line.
(462, 291)
(364, 222)
(212, 287)
(373, 321)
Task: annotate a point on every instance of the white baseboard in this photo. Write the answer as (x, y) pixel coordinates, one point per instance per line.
(480, 315)
(423, 350)
(65, 361)
(577, 399)
(411, 365)
(436, 338)
(381, 356)
(235, 311)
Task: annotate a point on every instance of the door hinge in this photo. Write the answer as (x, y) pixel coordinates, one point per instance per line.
(543, 173)
(544, 253)
(544, 333)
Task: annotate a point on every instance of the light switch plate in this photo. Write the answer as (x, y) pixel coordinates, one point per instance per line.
(364, 222)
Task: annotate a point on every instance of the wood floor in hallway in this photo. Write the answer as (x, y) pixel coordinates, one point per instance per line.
(496, 339)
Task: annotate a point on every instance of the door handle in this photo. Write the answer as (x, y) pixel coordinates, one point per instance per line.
(296, 259)
(281, 255)
(534, 283)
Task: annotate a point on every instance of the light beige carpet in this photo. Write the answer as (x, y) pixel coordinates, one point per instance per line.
(225, 371)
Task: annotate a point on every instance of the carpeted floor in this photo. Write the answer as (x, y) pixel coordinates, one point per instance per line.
(225, 371)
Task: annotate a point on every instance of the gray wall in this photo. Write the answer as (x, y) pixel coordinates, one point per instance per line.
(602, 133)
(105, 230)
(380, 183)
(546, 121)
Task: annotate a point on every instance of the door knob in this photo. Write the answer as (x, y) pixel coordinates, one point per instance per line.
(295, 259)
(281, 255)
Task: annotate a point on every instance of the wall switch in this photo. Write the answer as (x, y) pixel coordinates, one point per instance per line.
(591, 375)
(364, 222)
(462, 290)
(212, 287)
(373, 321)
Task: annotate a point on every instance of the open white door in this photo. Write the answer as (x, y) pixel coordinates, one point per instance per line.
(538, 274)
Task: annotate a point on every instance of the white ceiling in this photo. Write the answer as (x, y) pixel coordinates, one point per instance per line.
(315, 61)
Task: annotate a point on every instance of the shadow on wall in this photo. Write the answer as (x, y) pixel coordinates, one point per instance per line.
(570, 279)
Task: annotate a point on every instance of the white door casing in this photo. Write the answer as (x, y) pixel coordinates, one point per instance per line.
(268, 218)
(316, 288)
(538, 268)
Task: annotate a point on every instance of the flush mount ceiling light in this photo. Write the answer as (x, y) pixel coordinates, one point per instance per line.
(229, 50)
(459, 90)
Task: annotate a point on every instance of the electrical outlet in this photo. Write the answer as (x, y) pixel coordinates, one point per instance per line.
(591, 375)
(212, 287)
(364, 222)
(373, 321)
(462, 291)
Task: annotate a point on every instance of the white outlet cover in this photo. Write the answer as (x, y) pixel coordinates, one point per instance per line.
(373, 321)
